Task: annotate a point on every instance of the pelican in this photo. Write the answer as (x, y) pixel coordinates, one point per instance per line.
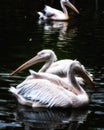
(49, 90)
(52, 66)
(50, 13)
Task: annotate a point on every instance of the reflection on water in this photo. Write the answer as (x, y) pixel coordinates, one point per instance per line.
(50, 118)
(58, 35)
(61, 30)
(55, 31)
(55, 26)
(22, 36)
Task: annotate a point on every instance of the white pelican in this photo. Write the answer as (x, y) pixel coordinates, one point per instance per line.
(49, 90)
(50, 13)
(59, 68)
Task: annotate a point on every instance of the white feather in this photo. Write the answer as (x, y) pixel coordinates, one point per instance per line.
(41, 91)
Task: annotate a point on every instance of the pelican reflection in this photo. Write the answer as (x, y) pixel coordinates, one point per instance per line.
(53, 28)
(50, 119)
(58, 32)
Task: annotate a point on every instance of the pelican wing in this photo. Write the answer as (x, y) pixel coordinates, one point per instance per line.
(44, 92)
(49, 12)
(60, 67)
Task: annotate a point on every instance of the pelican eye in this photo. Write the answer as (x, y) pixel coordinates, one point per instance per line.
(41, 54)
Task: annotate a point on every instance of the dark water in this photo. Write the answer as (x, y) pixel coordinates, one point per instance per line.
(22, 36)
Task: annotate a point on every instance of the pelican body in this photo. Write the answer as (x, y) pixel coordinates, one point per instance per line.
(50, 13)
(49, 90)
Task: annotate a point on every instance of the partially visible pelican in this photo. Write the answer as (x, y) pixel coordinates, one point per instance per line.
(50, 13)
(59, 68)
(49, 90)
(48, 56)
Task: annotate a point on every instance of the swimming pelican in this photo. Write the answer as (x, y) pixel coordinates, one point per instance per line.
(59, 68)
(50, 13)
(49, 90)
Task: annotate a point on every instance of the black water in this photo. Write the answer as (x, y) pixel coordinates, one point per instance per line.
(22, 36)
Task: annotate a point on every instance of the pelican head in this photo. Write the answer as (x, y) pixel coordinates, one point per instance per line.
(47, 56)
(77, 68)
(69, 4)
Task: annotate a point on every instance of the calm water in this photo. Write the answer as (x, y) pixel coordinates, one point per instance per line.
(22, 36)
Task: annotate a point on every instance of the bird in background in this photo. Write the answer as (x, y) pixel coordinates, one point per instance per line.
(49, 13)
